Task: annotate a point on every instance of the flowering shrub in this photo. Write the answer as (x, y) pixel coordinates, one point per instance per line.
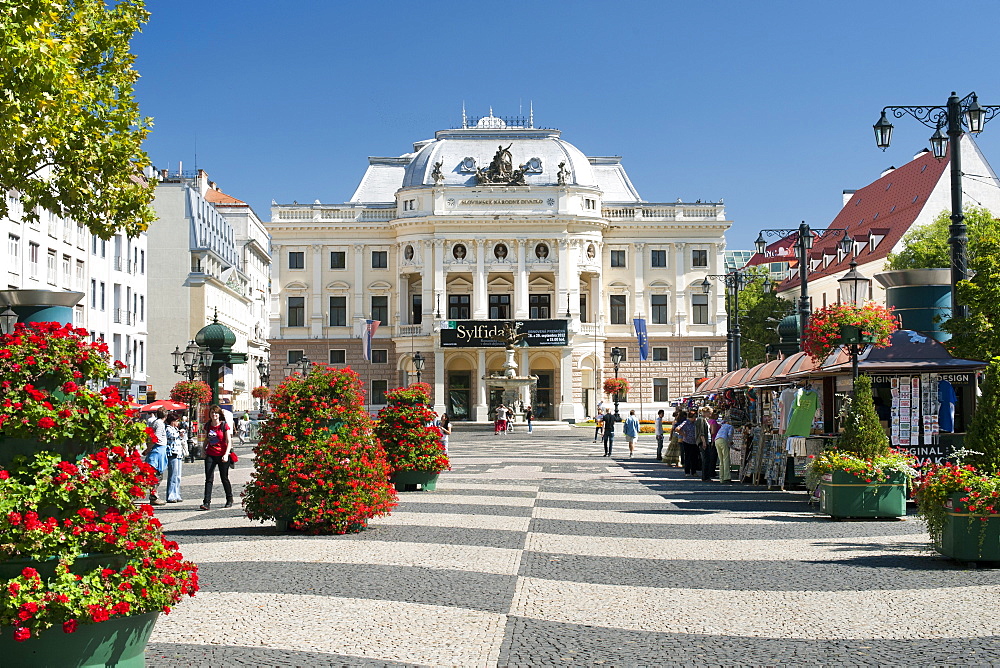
(824, 328)
(260, 392)
(616, 386)
(318, 464)
(874, 469)
(405, 430)
(191, 392)
(980, 495)
(60, 503)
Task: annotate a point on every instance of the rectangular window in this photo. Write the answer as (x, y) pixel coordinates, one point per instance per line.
(380, 308)
(296, 260)
(699, 258)
(295, 356)
(380, 259)
(338, 357)
(142, 262)
(93, 293)
(583, 308)
(499, 307)
(142, 308)
(67, 270)
(50, 267)
(618, 309)
(13, 247)
(296, 311)
(338, 311)
(660, 314)
(416, 309)
(539, 306)
(379, 388)
(617, 258)
(661, 390)
(80, 271)
(658, 258)
(699, 309)
(33, 250)
(93, 244)
(661, 354)
(458, 307)
(380, 356)
(103, 294)
(700, 352)
(338, 260)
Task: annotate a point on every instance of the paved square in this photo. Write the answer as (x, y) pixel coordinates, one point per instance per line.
(536, 550)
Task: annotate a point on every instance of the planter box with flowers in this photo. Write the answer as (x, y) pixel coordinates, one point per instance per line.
(960, 502)
(75, 552)
(412, 443)
(842, 324)
(318, 467)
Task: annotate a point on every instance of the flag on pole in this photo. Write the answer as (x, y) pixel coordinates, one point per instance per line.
(640, 334)
(370, 327)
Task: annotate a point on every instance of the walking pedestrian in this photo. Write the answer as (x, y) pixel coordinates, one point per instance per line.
(688, 435)
(501, 423)
(705, 445)
(674, 456)
(598, 424)
(156, 452)
(631, 430)
(723, 443)
(659, 435)
(217, 447)
(176, 451)
(444, 424)
(528, 417)
(609, 432)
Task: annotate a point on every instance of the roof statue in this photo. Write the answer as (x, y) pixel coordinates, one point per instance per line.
(501, 170)
(436, 173)
(562, 176)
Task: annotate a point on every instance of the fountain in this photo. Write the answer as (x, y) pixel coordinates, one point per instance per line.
(508, 378)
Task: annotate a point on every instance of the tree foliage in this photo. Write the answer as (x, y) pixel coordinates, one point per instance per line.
(926, 247)
(978, 336)
(760, 312)
(863, 435)
(69, 124)
(984, 432)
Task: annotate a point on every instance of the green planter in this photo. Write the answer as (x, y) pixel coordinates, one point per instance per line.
(842, 494)
(407, 481)
(968, 538)
(120, 641)
(850, 334)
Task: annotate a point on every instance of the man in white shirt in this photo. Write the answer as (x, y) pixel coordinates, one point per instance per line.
(723, 440)
(659, 435)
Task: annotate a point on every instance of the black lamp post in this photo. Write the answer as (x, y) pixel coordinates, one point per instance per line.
(804, 236)
(734, 282)
(265, 376)
(705, 360)
(956, 113)
(616, 359)
(854, 288)
(418, 364)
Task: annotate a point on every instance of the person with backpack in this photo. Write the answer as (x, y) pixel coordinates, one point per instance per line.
(176, 452)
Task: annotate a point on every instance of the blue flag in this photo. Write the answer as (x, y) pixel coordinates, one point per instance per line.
(640, 334)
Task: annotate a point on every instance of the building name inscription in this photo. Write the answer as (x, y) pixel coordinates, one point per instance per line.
(498, 202)
(492, 334)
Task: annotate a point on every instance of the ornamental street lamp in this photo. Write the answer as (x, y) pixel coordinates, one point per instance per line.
(7, 320)
(265, 376)
(705, 359)
(956, 113)
(734, 282)
(193, 361)
(854, 288)
(418, 364)
(804, 237)
(616, 359)
(304, 366)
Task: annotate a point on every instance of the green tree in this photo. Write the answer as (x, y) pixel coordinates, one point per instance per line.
(863, 435)
(760, 312)
(926, 247)
(69, 124)
(978, 336)
(984, 431)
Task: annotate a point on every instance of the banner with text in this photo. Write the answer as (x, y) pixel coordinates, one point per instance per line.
(492, 333)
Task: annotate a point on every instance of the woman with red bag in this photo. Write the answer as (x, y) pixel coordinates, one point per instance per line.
(217, 448)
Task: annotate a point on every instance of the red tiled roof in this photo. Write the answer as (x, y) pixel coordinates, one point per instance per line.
(887, 206)
(218, 197)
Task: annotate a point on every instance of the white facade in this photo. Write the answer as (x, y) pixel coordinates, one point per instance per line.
(57, 254)
(205, 259)
(428, 238)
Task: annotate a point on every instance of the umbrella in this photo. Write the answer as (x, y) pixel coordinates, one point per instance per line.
(165, 404)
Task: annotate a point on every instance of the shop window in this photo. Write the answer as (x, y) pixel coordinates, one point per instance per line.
(699, 258)
(338, 311)
(699, 309)
(296, 260)
(500, 307)
(661, 354)
(379, 388)
(296, 311)
(617, 258)
(338, 357)
(539, 306)
(338, 260)
(380, 259)
(380, 356)
(661, 389)
(660, 313)
(619, 309)
(658, 258)
(458, 307)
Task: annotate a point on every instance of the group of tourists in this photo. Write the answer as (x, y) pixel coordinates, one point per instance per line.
(172, 441)
(606, 430)
(504, 422)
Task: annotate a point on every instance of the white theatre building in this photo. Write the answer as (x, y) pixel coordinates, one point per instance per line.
(494, 222)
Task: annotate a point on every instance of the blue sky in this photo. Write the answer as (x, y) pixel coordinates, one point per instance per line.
(767, 105)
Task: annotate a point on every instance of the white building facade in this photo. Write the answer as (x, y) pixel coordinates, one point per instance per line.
(494, 222)
(209, 258)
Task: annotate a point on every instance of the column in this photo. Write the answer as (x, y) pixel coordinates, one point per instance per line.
(597, 309)
(524, 369)
(403, 315)
(520, 281)
(680, 289)
(358, 290)
(426, 282)
(439, 396)
(566, 412)
(562, 279)
(277, 295)
(480, 410)
(440, 295)
(573, 277)
(639, 285)
(479, 307)
(316, 293)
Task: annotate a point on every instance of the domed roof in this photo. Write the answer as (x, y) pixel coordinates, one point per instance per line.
(461, 152)
(216, 336)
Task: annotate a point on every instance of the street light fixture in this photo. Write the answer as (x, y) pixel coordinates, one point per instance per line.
(418, 364)
(734, 281)
(854, 288)
(264, 371)
(7, 320)
(616, 359)
(705, 359)
(957, 112)
(305, 365)
(803, 244)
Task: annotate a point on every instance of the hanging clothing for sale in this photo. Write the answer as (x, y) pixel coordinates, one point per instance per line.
(803, 413)
(786, 403)
(946, 412)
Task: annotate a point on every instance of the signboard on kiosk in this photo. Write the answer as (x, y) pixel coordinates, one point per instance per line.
(491, 333)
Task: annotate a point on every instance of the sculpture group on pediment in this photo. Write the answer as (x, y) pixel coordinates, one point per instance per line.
(501, 170)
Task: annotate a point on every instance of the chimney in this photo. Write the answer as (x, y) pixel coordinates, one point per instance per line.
(848, 194)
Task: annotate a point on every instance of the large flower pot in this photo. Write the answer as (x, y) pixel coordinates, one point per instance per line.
(968, 538)
(407, 481)
(843, 494)
(120, 641)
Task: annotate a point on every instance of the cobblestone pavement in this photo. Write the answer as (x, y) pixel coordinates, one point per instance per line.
(536, 550)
